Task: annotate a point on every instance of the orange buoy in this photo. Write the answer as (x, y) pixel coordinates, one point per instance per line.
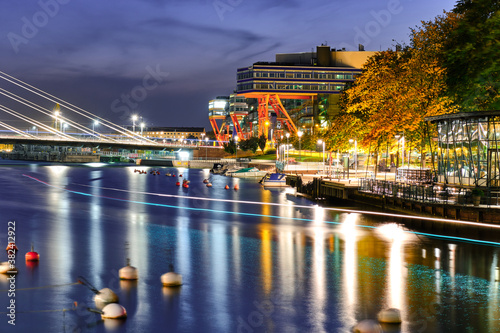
(236, 187)
(32, 255)
(209, 184)
(173, 175)
(178, 184)
(185, 185)
(227, 187)
(180, 175)
(205, 181)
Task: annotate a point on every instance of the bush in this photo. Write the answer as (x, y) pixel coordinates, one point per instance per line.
(477, 192)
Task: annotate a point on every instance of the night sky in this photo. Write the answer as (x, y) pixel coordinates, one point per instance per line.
(172, 56)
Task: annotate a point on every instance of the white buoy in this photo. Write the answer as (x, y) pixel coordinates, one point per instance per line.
(105, 296)
(128, 273)
(171, 279)
(389, 316)
(367, 326)
(113, 311)
(6, 268)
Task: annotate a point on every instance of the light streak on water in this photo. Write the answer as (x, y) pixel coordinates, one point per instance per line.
(424, 218)
(266, 204)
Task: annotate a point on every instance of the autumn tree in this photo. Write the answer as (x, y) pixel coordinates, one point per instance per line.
(397, 90)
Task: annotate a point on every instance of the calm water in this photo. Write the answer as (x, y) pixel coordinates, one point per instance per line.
(246, 267)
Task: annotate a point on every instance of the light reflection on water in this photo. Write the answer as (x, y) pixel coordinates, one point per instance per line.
(317, 277)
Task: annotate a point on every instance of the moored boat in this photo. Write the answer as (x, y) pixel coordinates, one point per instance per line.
(248, 172)
(274, 180)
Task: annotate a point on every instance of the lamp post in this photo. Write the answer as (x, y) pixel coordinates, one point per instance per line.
(134, 118)
(142, 128)
(56, 114)
(287, 148)
(202, 137)
(355, 155)
(35, 129)
(323, 142)
(94, 123)
(397, 160)
(299, 134)
(206, 148)
(64, 126)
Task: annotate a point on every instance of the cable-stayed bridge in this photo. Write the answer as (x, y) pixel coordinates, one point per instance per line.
(25, 119)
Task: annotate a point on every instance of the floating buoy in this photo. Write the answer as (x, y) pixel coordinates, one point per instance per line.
(168, 175)
(173, 175)
(367, 326)
(209, 184)
(128, 273)
(236, 187)
(178, 184)
(6, 268)
(180, 175)
(171, 279)
(389, 316)
(227, 187)
(113, 311)
(205, 181)
(32, 255)
(105, 296)
(185, 185)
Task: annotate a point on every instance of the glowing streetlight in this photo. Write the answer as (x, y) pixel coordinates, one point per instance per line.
(35, 129)
(355, 155)
(299, 134)
(323, 142)
(134, 118)
(287, 148)
(206, 148)
(64, 126)
(397, 136)
(56, 114)
(142, 128)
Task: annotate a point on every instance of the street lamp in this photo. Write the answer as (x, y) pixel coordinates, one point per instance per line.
(287, 148)
(134, 118)
(299, 134)
(355, 155)
(56, 114)
(35, 129)
(397, 136)
(94, 123)
(323, 142)
(206, 148)
(64, 126)
(142, 128)
(202, 136)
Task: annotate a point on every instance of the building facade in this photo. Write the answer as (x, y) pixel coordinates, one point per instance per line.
(468, 149)
(173, 133)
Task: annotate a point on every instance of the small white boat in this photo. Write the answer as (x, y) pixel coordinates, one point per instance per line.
(232, 169)
(274, 180)
(248, 172)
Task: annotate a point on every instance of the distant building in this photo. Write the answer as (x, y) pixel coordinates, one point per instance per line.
(173, 133)
(299, 90)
